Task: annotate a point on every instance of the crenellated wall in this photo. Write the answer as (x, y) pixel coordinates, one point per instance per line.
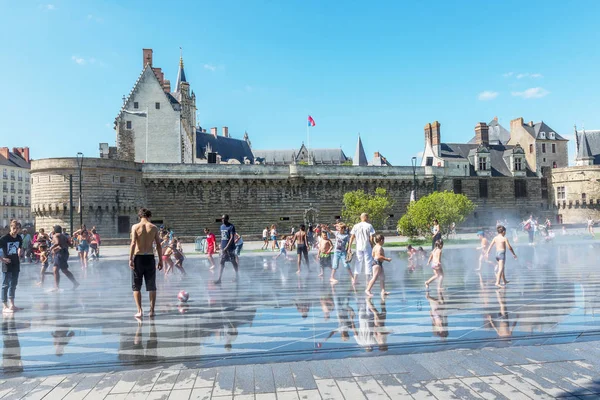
(581, 188)
(189, 197)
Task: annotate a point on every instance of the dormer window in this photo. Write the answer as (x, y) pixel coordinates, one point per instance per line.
(482, 163)
(518, 164)
(542, 135)
(552, 135)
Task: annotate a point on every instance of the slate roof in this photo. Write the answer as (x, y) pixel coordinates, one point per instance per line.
(380, 161)
(287, 156)
(14, 161)
(497, 133)
(460, 151)
(588, 145)
(227, 147)
(180, 75)
(360, 158)
(541, 127)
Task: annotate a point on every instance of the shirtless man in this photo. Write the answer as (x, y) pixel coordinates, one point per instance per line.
(301, 241)
(60, 250)
(501, 243)
(141, 260)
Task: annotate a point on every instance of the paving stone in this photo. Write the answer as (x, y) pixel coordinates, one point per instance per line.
(525, 387)
(186, 379)
(504, 388)
(224, 381)
(201, 393)
(205, 378)
(391, 386)
(284, 381)
(146, 381)
(263, 379)
(303, 376)
(309, 395)
(180, 394)
(483, 389)
(329, 390)
(349, 388)
(244, 380)
(460, 390)
(370, 387)
(288, 395)
(166, 381)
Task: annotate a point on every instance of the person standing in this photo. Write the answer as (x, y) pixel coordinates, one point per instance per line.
(265, 238)
(142, 262)
(274, 238)
(228, 246)
(590, 227)
(60, 250)
(363, 233)
(27, 244)
(211, 243)
(301, 241)
(529, 227)
(11, 245)
(437, 233)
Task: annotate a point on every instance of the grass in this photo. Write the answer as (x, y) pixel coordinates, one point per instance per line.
(427, 242)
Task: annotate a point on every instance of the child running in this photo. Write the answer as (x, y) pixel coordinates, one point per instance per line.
(378, 259)
(501, 242)
(483, 258)
(435, 258)
(210, 246)
(340, 253)
(324, 257)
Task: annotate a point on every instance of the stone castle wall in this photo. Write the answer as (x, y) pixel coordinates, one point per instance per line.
(190, 197)
(581, 186)
(110, 188)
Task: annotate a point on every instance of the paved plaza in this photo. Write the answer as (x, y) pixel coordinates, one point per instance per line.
(276, 335)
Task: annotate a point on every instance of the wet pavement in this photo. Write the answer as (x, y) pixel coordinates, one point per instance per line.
(272, 315)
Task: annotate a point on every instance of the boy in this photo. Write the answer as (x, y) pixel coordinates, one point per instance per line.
(435, 258)
(301, 240)
(482, 248)
(501, 243)
(11, 245)
(324, 258)
(282, 248)
(378, 259)
(177, 253)
(342, 239)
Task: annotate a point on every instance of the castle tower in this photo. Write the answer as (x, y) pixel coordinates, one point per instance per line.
(360, 158)
(180, 75)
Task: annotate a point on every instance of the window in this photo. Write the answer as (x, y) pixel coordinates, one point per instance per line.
(12, 175)
(551, 135)
(482, 163)
(483, 188)
(20, 176)
(543, 147)
(554, 147)
(121, 179)
(554, 165)
(544, 183)
(5, 214)
(20, 201)
(4, 200)
(128, 125)
(560, 193)
(157, 106)
(136, 105)
(123, 224)
(5, 173)
(429, 161)
(518, 164)
(5, 187)
(544, 159)
(520, 188)
(457, 183)
(26, 201)
(530, 148)
(542, 135)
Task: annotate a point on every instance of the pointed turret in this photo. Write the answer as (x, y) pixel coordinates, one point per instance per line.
(180, 74)
(360, 158)
(584, 153)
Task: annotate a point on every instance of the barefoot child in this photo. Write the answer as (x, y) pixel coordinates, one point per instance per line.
(342, 239)
(210, 246)
(378, 259)
(501, 243)
(283, 245)
(177, 251)
(435, 258)
(482, 248)
(325, 248)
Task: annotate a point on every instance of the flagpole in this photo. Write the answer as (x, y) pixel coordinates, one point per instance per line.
(308, 139)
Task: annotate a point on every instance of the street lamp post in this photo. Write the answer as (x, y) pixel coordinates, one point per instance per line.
(414, 168)
(80, 165)
(71, 202)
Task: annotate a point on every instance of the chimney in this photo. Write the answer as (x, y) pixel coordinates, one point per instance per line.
(377, 155)
(435, 134)
(516, 124)
(531, 124)
(159, 75)
(482, 134)
(427, 134)
(496, 119)
(147, 54)
(225, 131)
(4, 152)
(213, 131)
(167, 86)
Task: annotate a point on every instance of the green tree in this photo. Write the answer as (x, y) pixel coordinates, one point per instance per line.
(446, 207)
(378, 206)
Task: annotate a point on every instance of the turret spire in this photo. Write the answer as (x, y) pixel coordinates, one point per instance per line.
(181, 72)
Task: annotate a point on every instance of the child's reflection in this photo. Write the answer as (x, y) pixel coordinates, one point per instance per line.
(437, 311)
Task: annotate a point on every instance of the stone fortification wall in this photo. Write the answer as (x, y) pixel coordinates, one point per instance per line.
(189, 197)
(581, 188)
(112, 192)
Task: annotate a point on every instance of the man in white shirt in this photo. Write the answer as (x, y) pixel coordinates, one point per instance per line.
(363, 233)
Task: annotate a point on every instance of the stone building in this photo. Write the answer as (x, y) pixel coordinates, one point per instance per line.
(301, 156)
(155, 124)
(15, 186)
(576, 189)
(214, 149)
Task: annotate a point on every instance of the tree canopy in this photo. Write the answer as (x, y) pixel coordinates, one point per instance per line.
(378, 206)
(447, 207)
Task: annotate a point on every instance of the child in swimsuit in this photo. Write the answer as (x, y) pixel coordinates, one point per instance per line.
(501, 242)
(378, 273)
(324, 258)
(435, 258)
(178, 255)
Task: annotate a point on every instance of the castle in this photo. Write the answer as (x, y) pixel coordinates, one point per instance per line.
(188, 177)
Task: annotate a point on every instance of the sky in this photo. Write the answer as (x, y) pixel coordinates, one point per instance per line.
(382, 69)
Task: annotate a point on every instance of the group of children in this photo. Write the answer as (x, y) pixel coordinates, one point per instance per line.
(172, 250)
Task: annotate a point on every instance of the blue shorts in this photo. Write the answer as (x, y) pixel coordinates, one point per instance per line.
(340, 256)
(238, 248)
(83, 246)
(273, 237)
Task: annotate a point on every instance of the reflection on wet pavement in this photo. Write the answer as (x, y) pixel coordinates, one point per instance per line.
(271, 312)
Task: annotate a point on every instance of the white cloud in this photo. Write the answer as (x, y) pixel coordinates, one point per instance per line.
(528, 75)
(508, 74)
(82, 60)
(487, 95)
(532, 93)
(210, 67)
(49, 7)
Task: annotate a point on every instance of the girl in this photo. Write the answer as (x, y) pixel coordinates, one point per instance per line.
(437, 233)
(435, 258)
(378, 259)
(274, 238)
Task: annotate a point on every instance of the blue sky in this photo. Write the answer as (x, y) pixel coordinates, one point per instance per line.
(383, 69)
